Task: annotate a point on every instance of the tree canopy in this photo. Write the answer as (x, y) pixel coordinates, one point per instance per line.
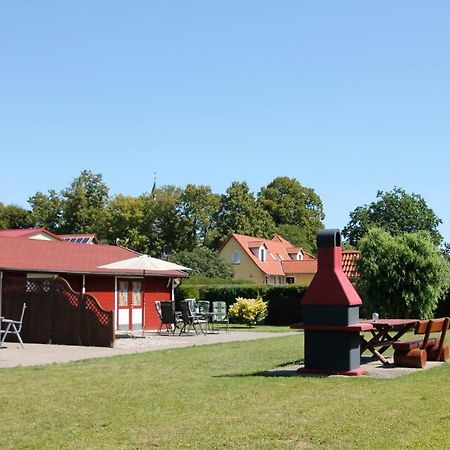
(239, 212)
(204, 262)
(169, 219)
(396, 212)
(401, 276)
(290, 203)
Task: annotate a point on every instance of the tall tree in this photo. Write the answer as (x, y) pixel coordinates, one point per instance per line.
(161, 221)
(395, 212)
(122, 223)
(196, 209)
(239, 212)
(401, 276)
(83, 203)
(46, 210)
(290, 203)
(297, 236)
(13, 216)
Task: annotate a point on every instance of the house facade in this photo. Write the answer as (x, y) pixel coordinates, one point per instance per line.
(31, 257)
(275, 261)
(268, 261)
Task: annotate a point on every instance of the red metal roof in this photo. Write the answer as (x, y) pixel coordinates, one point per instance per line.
(31, 255)
(28, 232)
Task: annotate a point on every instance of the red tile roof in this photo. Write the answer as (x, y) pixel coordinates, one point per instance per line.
(277, 253)
(349, 263)
(31, 255)
(279, 262)
(305, 266)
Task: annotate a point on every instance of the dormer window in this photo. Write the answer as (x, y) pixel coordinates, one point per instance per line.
(262, 254)
(297, 256)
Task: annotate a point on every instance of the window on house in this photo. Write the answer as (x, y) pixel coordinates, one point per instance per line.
(236, 257)
(262, 254)
(290, 280)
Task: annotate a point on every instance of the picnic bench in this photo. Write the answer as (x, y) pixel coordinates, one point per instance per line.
(383, 334)
(416, 352)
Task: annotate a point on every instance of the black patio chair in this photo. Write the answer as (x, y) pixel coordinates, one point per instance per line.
(168, 317)
(191, 319)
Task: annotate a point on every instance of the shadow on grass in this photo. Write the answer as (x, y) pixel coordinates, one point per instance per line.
(287, 369)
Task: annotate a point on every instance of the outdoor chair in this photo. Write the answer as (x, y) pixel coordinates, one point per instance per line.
(193, 305)
(168, 317)
(191, 319)
(220, 314)
(13, 327)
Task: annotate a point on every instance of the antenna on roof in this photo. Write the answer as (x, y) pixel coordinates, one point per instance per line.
(154, 185)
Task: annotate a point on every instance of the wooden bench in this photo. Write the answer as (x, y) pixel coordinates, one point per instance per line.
(415, 353)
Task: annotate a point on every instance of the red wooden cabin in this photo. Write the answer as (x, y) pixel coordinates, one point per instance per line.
(129, 294)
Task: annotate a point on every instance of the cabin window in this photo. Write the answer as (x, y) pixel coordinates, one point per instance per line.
(137, 293)
(236, 257)
(123, 293)
(262, 254)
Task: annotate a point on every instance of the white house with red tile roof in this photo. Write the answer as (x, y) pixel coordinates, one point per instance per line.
(268, 261)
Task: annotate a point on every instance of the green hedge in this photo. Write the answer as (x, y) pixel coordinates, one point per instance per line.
(285, 304)
(283, 301)
(443, 307)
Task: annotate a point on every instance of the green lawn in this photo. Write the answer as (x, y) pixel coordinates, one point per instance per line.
(217, 397)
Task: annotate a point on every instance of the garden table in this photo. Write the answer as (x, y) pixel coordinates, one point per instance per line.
(385, 332)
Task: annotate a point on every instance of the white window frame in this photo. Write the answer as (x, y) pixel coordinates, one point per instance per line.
(262, 254)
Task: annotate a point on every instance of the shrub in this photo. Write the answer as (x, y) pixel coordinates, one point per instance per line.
(248, 311)
(186, 291)
(401, 276)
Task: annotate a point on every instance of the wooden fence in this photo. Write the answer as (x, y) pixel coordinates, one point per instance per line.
(56, 314)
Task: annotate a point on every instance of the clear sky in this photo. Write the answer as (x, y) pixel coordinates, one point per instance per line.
(348, 97)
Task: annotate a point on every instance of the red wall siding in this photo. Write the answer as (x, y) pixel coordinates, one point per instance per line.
(75, 281)
(102, 288)
(154, 289)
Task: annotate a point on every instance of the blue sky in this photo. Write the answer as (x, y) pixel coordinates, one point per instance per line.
(347, 97)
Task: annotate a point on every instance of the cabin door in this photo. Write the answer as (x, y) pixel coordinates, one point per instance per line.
(129, 305)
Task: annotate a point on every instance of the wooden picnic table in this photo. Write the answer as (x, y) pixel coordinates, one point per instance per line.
(384, 334)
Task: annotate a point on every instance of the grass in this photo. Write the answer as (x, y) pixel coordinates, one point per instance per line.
(218, 397)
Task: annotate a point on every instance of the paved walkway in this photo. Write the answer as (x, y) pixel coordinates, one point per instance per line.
(14, 355)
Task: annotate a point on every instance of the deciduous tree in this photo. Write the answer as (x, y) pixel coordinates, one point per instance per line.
(83, 203)
(204, 262)
(240, 213)
(395, 212)
(401, 276)
(46, 210)
(290, 203)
